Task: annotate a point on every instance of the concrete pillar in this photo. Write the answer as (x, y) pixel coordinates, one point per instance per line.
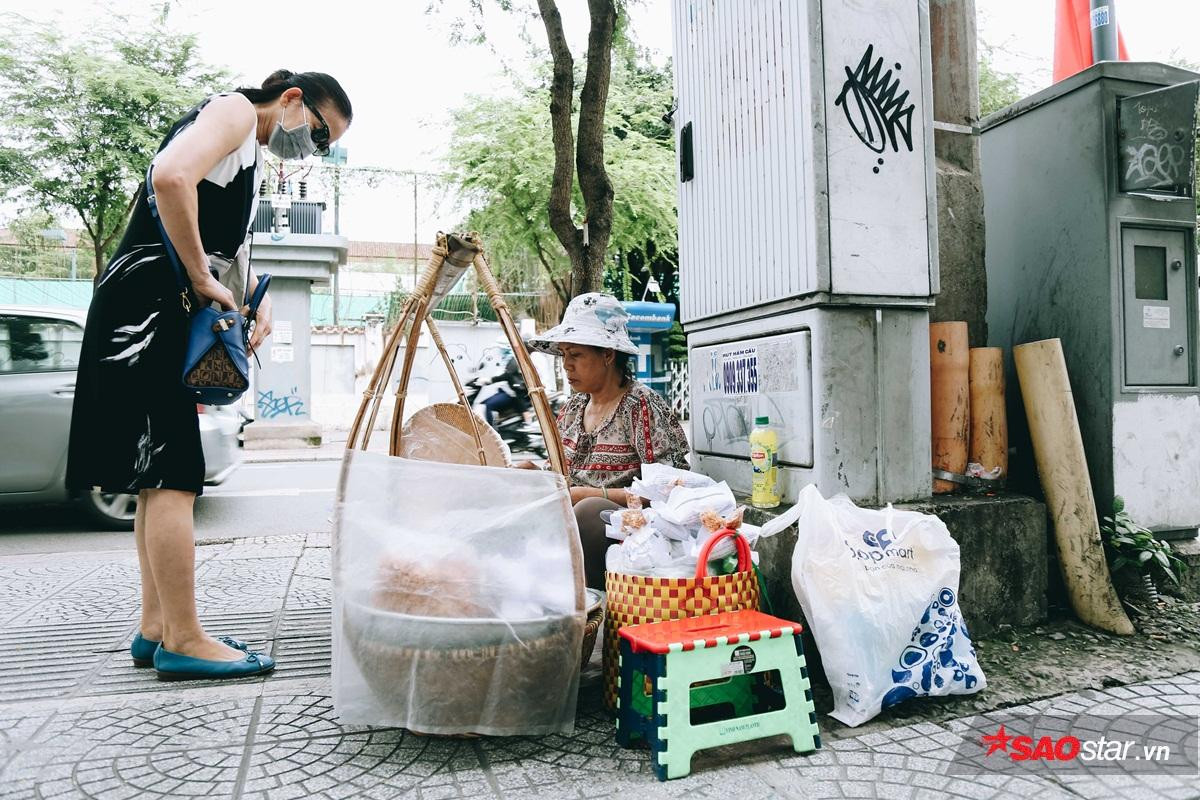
(283, 385)
(959, 185)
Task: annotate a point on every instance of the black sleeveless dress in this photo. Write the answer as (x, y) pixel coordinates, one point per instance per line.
(133, 426)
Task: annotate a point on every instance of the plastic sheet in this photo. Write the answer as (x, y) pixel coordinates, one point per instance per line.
(459, 600)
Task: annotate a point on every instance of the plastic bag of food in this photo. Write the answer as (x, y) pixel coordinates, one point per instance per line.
(620, 523)
(685, 505)
(880, 592)
(438, 624)
(659, 480)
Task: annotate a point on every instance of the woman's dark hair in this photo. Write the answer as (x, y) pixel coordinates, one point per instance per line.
(624, 365)
(318, 89)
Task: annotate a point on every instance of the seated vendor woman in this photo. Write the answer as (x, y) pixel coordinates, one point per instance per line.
(612, 424)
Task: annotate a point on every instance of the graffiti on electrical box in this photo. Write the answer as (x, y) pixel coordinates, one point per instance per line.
(876, 108)
(1153, 166)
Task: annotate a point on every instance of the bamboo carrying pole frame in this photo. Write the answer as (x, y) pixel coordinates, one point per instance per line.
(461, 251)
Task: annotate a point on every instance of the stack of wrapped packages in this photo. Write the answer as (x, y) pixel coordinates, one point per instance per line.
(652, 569)
(664, 540)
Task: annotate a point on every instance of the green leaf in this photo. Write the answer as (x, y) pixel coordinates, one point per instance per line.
(500, 161)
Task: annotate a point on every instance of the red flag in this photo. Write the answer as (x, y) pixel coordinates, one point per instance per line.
(1073, 39)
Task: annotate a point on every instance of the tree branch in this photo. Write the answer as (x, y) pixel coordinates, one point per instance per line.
(562, 93)
(560, 287)
(87, 225)
(594, 182)
(125, 216)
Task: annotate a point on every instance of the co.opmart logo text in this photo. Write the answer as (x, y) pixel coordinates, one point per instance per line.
(879, 545)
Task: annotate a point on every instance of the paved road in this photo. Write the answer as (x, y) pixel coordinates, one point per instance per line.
(257, 500)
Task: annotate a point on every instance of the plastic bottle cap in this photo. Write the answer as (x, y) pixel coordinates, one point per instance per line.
(762, 420)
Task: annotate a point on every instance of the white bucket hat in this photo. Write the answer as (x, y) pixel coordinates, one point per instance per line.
(593, 319)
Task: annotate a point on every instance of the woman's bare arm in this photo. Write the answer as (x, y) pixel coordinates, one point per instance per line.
(219, 129)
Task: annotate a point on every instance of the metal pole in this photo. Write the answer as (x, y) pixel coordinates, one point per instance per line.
(337, 230)
(1104, 31)
(336, 293)
(337, 201)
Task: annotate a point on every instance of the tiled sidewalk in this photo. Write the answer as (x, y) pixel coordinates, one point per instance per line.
(77, 720)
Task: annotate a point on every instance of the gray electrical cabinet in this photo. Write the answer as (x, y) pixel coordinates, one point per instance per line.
(808, 239)
(1090, 208)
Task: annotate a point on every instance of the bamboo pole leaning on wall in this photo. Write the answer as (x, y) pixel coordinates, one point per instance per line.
(949, 405)
(989, 419)
(1062, 466)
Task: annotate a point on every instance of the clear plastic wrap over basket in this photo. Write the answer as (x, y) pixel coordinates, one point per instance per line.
(459, 601)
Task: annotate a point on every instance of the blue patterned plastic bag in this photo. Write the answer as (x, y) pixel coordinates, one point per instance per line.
(880, 592)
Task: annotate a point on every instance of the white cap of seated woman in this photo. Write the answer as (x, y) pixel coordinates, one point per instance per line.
(593, 319)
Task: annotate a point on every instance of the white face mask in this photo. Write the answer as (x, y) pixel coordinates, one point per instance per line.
(292, 144)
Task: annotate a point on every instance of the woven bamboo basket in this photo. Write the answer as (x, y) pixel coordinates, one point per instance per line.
(454, 674)
(426, 437)
(591, 630)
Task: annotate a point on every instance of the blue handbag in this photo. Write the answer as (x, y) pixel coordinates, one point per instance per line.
(216, 367)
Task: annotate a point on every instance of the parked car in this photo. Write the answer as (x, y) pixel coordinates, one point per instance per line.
(39, 353)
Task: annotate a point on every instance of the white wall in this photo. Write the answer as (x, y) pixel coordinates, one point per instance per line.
(470, 347)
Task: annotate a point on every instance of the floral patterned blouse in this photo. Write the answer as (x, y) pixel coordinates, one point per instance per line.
(642, 430)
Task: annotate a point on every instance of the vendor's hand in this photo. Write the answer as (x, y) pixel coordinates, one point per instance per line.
(209, 290)
(262, 324)
(578, 493)
(526, 465)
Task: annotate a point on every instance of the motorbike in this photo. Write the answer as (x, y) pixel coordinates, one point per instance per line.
(516, 424)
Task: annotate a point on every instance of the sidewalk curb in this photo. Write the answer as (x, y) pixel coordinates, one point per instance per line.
(291, 456)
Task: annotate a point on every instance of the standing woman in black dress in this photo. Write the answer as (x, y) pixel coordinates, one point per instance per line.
(134, 428)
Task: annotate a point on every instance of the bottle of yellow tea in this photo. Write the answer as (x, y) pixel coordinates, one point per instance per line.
(764, 458)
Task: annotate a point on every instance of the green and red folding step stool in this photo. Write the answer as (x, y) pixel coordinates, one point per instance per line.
(691, 684)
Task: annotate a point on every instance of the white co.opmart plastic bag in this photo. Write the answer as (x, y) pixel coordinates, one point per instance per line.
(458, 598)
(880, 592)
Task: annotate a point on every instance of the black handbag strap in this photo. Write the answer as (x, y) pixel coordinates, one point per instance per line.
(180, 275)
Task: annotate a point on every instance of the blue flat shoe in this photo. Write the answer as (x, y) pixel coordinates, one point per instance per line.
(175, 667)
(142, 649)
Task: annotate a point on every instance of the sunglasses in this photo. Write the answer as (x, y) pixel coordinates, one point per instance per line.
(320, 136)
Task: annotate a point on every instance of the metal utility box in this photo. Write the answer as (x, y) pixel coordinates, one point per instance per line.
(807, 238)
(1091, 222)
(847, 389)
(807, 126)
